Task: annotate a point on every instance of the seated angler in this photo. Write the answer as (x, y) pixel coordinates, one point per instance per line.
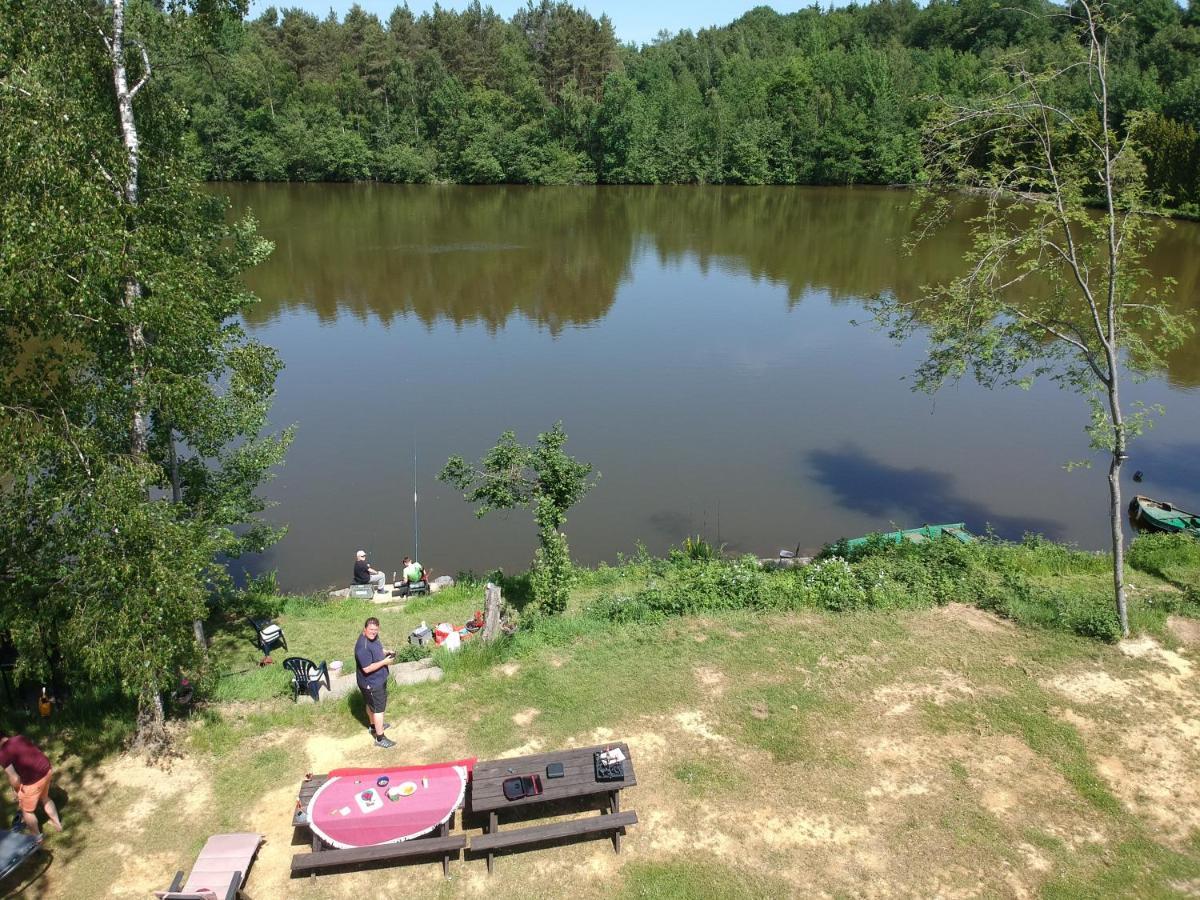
(412, 575)
(365, 574)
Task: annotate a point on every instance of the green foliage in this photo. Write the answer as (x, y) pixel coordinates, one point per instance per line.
(698, 549)
(1172, 557)
(1053, 287)
(833, 96)
(131, 421)
(543, 478)
(1088, 614)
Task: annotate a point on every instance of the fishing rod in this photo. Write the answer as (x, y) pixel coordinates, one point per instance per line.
(416, 526)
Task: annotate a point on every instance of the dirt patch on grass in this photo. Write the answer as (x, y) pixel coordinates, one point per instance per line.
(416, 741)
(180, 783)
(711, 680)
(508, 670)
(141, 874)
(975, 618)
(272, 818)
(938, 686)
(1090, 687)
(1186, 631)
(1149, 753)
(526, 716)
(694, 722)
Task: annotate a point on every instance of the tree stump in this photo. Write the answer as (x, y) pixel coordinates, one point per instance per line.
(491, 616)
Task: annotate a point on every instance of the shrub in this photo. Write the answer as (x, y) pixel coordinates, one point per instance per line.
(411, 653)
(622, 608)
(833, 585)
(1164, 555)
(1088, 615)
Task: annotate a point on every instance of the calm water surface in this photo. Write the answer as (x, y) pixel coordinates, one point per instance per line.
(698, 344)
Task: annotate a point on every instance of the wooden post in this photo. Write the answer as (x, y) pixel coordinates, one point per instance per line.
(491, 617)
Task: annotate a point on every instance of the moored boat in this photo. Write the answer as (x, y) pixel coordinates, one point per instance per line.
(1157, 515)
(958, 531)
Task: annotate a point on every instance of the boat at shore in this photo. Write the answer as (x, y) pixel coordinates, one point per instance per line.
(958, 531)
(1157, 515)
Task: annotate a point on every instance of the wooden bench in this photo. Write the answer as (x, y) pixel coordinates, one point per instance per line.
(538, 834)
(445, 847)
(322, 858)
(578, 783)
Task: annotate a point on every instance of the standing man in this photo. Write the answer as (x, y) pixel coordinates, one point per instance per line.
(364, 574)
(372, 661)
(29, 773)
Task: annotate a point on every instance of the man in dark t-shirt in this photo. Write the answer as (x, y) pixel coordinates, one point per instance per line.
(365, 574)
(371, 664)
(29, 774)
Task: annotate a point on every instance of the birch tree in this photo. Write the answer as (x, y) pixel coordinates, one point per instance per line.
(1055, 283)
(131, 400)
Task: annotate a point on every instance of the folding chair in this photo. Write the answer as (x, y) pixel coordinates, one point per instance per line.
(219, 871)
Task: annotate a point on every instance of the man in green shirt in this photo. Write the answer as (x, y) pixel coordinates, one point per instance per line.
(414, 573)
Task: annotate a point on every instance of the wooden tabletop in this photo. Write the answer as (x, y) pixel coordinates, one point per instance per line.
(579, 777)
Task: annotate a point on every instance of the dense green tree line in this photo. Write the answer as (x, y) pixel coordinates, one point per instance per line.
(813, 97)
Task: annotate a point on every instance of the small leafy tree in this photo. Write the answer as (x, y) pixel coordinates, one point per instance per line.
(543, 478)
(1055, 283)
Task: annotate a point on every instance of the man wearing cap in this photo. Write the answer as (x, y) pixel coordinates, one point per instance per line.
(364, 574)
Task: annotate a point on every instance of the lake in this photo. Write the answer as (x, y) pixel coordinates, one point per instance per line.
(699, 345)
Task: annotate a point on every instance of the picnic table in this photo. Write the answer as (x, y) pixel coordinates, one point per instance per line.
(577, 782)
(353, 819)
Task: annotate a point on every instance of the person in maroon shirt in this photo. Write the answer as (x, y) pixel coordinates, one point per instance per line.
(29, 773)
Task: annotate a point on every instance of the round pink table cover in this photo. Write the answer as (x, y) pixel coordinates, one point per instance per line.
(394, 821)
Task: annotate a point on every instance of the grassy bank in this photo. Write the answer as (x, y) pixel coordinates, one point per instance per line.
(851, 729)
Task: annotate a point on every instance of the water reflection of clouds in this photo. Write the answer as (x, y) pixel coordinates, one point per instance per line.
(915, 496)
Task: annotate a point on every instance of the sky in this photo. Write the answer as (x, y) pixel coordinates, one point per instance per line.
(636, 21)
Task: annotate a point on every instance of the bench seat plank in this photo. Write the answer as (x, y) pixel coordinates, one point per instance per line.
(516, 837)
(327, 859)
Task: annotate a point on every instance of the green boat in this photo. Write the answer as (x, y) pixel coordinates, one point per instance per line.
(1156, 515)
(958, 531)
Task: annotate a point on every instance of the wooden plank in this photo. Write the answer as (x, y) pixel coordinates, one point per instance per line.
(328, 859)
(591, 789)
(516, 837)
(307, 789)
(540, 759)
(579, 778)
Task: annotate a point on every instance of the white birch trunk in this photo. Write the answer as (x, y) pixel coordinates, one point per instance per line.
(131, 291)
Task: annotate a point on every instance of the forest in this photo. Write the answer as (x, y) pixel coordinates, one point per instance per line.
(835, 96)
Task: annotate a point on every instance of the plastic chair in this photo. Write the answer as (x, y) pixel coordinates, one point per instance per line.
(267, 634)
(307, 676)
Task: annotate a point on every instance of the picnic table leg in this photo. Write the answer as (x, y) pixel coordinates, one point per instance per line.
(317, 847)
(492, 825)
(446, 856)
(614, 806)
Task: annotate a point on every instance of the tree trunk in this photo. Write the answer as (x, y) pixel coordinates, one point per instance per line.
(1114, 493)
(491, 616)
(151, 736)
(131, 290)
(1118, 540)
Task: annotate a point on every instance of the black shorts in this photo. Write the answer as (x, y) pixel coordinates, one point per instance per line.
(376, 697)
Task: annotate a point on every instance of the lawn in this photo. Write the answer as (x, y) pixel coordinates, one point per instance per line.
(943, 750)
